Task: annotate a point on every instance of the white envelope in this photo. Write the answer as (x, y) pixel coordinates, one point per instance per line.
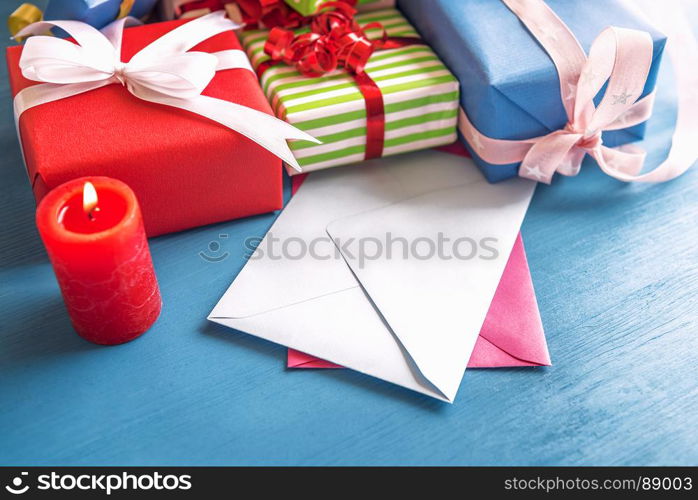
(403, 316)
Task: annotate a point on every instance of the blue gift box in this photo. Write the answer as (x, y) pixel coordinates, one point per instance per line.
(509, 85)
(97, 13)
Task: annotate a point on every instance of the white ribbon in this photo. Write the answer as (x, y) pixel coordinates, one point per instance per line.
(164, 72)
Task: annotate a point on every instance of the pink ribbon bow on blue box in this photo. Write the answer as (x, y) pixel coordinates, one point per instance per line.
(511, 85)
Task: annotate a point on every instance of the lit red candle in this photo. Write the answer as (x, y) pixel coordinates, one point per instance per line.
(93, 232)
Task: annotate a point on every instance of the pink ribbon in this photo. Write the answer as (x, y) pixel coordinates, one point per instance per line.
(618, 55)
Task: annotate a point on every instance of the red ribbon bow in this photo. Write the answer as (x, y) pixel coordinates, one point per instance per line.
(337, 40)
(254, 13)
(269, 13)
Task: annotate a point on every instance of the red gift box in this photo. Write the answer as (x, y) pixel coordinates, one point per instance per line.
(186, 170)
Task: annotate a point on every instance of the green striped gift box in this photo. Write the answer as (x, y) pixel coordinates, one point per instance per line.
(420, 97)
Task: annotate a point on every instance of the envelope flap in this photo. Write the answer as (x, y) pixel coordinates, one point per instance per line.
(442, 256)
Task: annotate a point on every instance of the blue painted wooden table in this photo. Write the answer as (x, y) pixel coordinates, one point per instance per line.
(616, 272)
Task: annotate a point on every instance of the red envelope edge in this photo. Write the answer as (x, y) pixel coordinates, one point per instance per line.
(512, 334)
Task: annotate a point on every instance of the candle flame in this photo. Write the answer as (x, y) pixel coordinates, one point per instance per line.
(89, 198)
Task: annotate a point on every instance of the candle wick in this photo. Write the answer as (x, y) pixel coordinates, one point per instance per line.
(90, 216)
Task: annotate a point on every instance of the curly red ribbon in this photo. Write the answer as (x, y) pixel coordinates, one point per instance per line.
(255, 13)
(336, 40)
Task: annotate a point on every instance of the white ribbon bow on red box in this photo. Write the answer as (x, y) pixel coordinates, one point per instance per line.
(164, 72)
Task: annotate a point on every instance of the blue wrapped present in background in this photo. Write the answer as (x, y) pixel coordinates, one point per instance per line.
(509, 85)
(97, 13)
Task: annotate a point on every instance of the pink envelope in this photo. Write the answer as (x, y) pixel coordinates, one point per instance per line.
(512, 334)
